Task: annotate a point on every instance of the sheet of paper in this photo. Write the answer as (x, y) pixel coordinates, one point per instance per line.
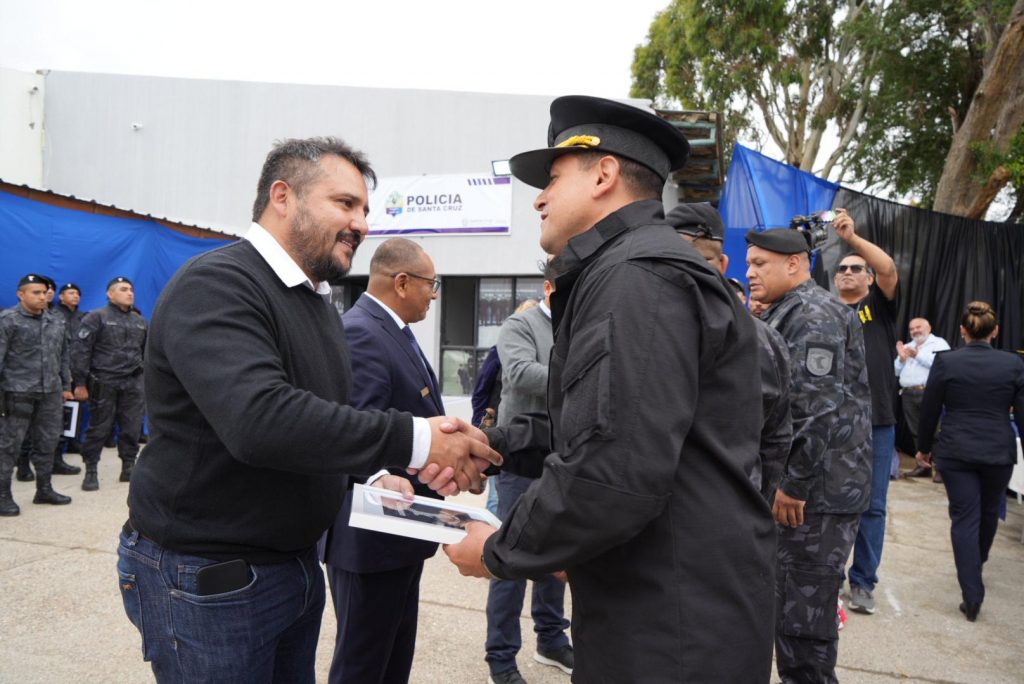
(424, 518)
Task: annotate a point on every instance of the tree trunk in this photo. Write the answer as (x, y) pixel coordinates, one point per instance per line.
(996, 182)
(995, 115)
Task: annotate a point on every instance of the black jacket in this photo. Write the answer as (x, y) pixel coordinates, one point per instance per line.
(977, 385)
(655, 414)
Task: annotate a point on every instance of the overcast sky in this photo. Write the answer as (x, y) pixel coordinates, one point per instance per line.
(551, 47)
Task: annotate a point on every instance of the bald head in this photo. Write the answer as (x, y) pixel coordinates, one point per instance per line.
(396, 254)
(402, 276)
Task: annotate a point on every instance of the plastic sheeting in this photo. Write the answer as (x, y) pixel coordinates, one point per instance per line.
(944, 262)
(762, 193)
(89, 250)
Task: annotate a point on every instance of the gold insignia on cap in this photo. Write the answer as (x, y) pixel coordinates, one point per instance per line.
(586, 141)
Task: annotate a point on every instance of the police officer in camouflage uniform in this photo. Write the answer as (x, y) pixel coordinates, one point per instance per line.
(35, 380)
(826, 483)
(107, 365)
(24, 470)
(69, 297)
(701, 225)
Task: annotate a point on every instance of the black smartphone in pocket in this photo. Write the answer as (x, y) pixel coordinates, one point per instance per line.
(221, 578)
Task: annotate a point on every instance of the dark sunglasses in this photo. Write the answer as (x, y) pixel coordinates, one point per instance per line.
(853, 268)
(435, 282)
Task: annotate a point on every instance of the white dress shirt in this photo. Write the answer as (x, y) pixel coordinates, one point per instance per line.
(914, 371)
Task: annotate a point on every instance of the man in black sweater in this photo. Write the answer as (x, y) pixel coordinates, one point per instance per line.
(252, 437)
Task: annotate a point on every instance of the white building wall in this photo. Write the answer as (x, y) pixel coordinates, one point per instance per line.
(21, 127)
(191, 150)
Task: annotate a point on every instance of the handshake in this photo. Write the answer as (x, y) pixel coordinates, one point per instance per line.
(459, 454)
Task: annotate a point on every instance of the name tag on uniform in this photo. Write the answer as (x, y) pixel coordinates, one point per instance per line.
(425, 391)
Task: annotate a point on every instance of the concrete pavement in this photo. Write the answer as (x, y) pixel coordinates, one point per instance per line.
(61, 618)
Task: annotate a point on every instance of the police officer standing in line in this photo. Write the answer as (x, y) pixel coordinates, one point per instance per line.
(107, 365)
(35, 380)
(69, 297)
(24, 472)
(827, 478)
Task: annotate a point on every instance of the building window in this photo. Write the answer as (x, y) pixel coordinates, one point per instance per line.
(472, 311)
(344, 293)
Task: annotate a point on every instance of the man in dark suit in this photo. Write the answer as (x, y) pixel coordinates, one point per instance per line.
(375, 577)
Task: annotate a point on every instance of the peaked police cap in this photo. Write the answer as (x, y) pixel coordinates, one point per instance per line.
(580, 123)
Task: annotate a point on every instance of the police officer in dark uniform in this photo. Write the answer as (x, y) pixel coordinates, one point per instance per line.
(701, 225)
(107, 366)
(827, 478)
(644, 497)
(24, 471)
(35, 380)
(69, 295)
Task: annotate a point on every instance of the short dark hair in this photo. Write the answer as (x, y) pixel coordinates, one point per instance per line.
(395, 254)
(297, 163)
(640, 180)
(979, 320)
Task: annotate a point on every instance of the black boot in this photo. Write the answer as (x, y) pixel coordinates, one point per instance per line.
(970, 610)
(61, 467)
(8, 508)
(25, 473)
(46, 495)
(126, 469)
(91, 482)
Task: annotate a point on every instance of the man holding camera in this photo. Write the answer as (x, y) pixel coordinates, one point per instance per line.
(867, 282)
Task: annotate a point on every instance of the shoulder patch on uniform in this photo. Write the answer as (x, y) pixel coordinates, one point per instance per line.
(820, 359)
(83, 333)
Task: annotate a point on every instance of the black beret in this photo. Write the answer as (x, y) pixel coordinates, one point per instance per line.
(32, 278)
(698, 220)
(49, 282)
(118, 279)
(781, 240)
(70, 286)
(737, 285)
(580, 122)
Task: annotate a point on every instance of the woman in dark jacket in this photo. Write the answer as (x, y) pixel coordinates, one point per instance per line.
(976, 448)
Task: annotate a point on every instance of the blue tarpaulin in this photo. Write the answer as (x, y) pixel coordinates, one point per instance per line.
(762, 193)
(89, 249)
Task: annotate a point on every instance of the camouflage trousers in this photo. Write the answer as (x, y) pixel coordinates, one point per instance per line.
(810, 563)
(41, 416)
(127, 406)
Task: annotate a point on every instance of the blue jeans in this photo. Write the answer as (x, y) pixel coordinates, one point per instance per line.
(492, 496)
(867, 550)
(505, 599)
(264, 632)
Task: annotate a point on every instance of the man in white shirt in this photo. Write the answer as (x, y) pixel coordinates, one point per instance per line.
(913, 363)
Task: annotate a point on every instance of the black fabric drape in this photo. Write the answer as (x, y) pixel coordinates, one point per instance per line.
(944, 262)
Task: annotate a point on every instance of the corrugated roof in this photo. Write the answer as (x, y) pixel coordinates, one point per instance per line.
(81, 204)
